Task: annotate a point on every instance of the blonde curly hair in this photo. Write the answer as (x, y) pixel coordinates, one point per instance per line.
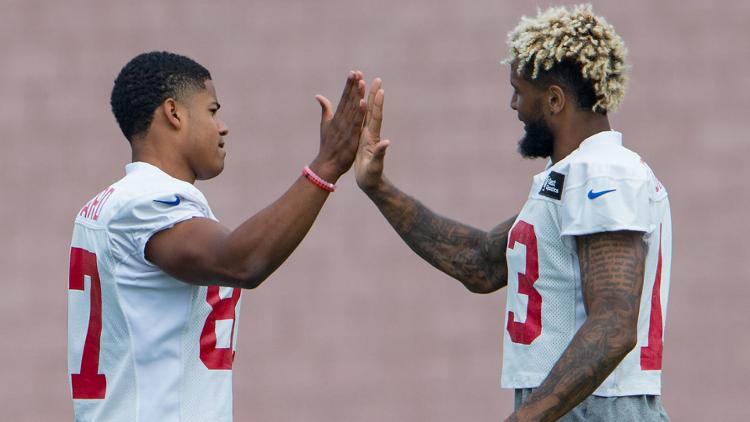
(558, 35)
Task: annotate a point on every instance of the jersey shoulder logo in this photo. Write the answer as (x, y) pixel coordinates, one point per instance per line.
(594, 195)
(176, 201)
(553, 185)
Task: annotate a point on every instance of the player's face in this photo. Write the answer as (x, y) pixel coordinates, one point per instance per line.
(205, 134)
(538, 139)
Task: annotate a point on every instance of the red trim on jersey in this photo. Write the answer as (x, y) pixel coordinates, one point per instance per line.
(651, 355)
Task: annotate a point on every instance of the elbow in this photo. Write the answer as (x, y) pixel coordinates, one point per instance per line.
(253, 278)
(615, 339)
(250, 281)
(631, 341)
(486, 280)
(616, 332)
(625, 343)
(630, 336)
(218, 267)
(247, 277)
(480, 286)
(622, 350)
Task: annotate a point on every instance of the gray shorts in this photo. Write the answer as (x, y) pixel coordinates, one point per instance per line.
(621, 409)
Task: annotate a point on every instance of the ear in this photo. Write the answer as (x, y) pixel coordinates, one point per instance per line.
(556, 99)
(173, 113)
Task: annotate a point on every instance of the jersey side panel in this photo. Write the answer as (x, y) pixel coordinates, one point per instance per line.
(119, 401)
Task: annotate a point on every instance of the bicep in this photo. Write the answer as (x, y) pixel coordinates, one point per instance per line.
(190, 251)
(612, 267)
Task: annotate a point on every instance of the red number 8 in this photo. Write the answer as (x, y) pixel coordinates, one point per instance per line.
(221, 309)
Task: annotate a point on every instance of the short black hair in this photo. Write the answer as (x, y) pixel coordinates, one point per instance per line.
(146, 81)
(568, 75)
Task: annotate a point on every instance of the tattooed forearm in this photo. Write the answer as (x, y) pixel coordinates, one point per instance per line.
(612, 266)
(474, 257)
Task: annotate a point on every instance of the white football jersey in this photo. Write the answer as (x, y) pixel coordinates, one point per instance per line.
(142, 345)
(600, 187)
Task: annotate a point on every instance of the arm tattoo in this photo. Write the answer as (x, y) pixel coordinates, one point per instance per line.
(612, 268)
(474, 257)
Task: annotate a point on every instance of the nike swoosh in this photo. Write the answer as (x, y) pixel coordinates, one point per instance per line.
(170, 203)
(594, 195)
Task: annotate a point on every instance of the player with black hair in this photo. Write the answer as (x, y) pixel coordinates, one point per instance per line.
(155, 280)
(146, 81)
(587, 260)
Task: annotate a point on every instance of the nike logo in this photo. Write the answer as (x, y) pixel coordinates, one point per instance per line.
(170, 203)
(594, 195)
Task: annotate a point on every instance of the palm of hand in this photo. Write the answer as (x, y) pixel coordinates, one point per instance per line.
(371, 151)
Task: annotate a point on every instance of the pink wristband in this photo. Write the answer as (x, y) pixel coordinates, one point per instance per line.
(317, 180)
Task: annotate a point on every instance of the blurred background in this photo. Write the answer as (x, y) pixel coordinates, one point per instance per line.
(355, 327)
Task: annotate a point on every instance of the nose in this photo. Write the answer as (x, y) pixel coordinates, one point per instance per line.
(223, 129)
(514, 102)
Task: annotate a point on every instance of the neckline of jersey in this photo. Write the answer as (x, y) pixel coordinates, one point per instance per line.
(612, 137)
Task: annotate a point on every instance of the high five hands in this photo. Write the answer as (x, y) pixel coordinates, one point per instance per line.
(352, 134)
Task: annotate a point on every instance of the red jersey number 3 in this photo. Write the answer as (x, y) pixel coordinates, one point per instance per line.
(526, 332)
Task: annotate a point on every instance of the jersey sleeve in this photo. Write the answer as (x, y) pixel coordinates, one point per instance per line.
(602, 201)
(141, 218)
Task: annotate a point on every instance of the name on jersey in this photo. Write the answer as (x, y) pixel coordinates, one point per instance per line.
(658, 186)
(553, 185)
(92, 209)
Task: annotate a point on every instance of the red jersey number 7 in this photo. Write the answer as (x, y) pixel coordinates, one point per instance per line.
(88, 383)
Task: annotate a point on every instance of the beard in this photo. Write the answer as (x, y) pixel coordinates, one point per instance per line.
(538, 141)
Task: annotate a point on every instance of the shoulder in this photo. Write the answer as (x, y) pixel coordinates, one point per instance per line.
(603, 157)
(147, 201)
(148, 189)
(607, 188)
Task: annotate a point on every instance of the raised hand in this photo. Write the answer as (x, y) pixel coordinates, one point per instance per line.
(368, 167)
(340, 132)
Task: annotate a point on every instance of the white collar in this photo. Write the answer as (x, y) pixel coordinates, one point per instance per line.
(141, 166)
(611, 137)
(608, 136)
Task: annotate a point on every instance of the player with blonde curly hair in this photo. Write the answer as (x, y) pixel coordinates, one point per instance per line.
(582, 42)
(587, 260)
